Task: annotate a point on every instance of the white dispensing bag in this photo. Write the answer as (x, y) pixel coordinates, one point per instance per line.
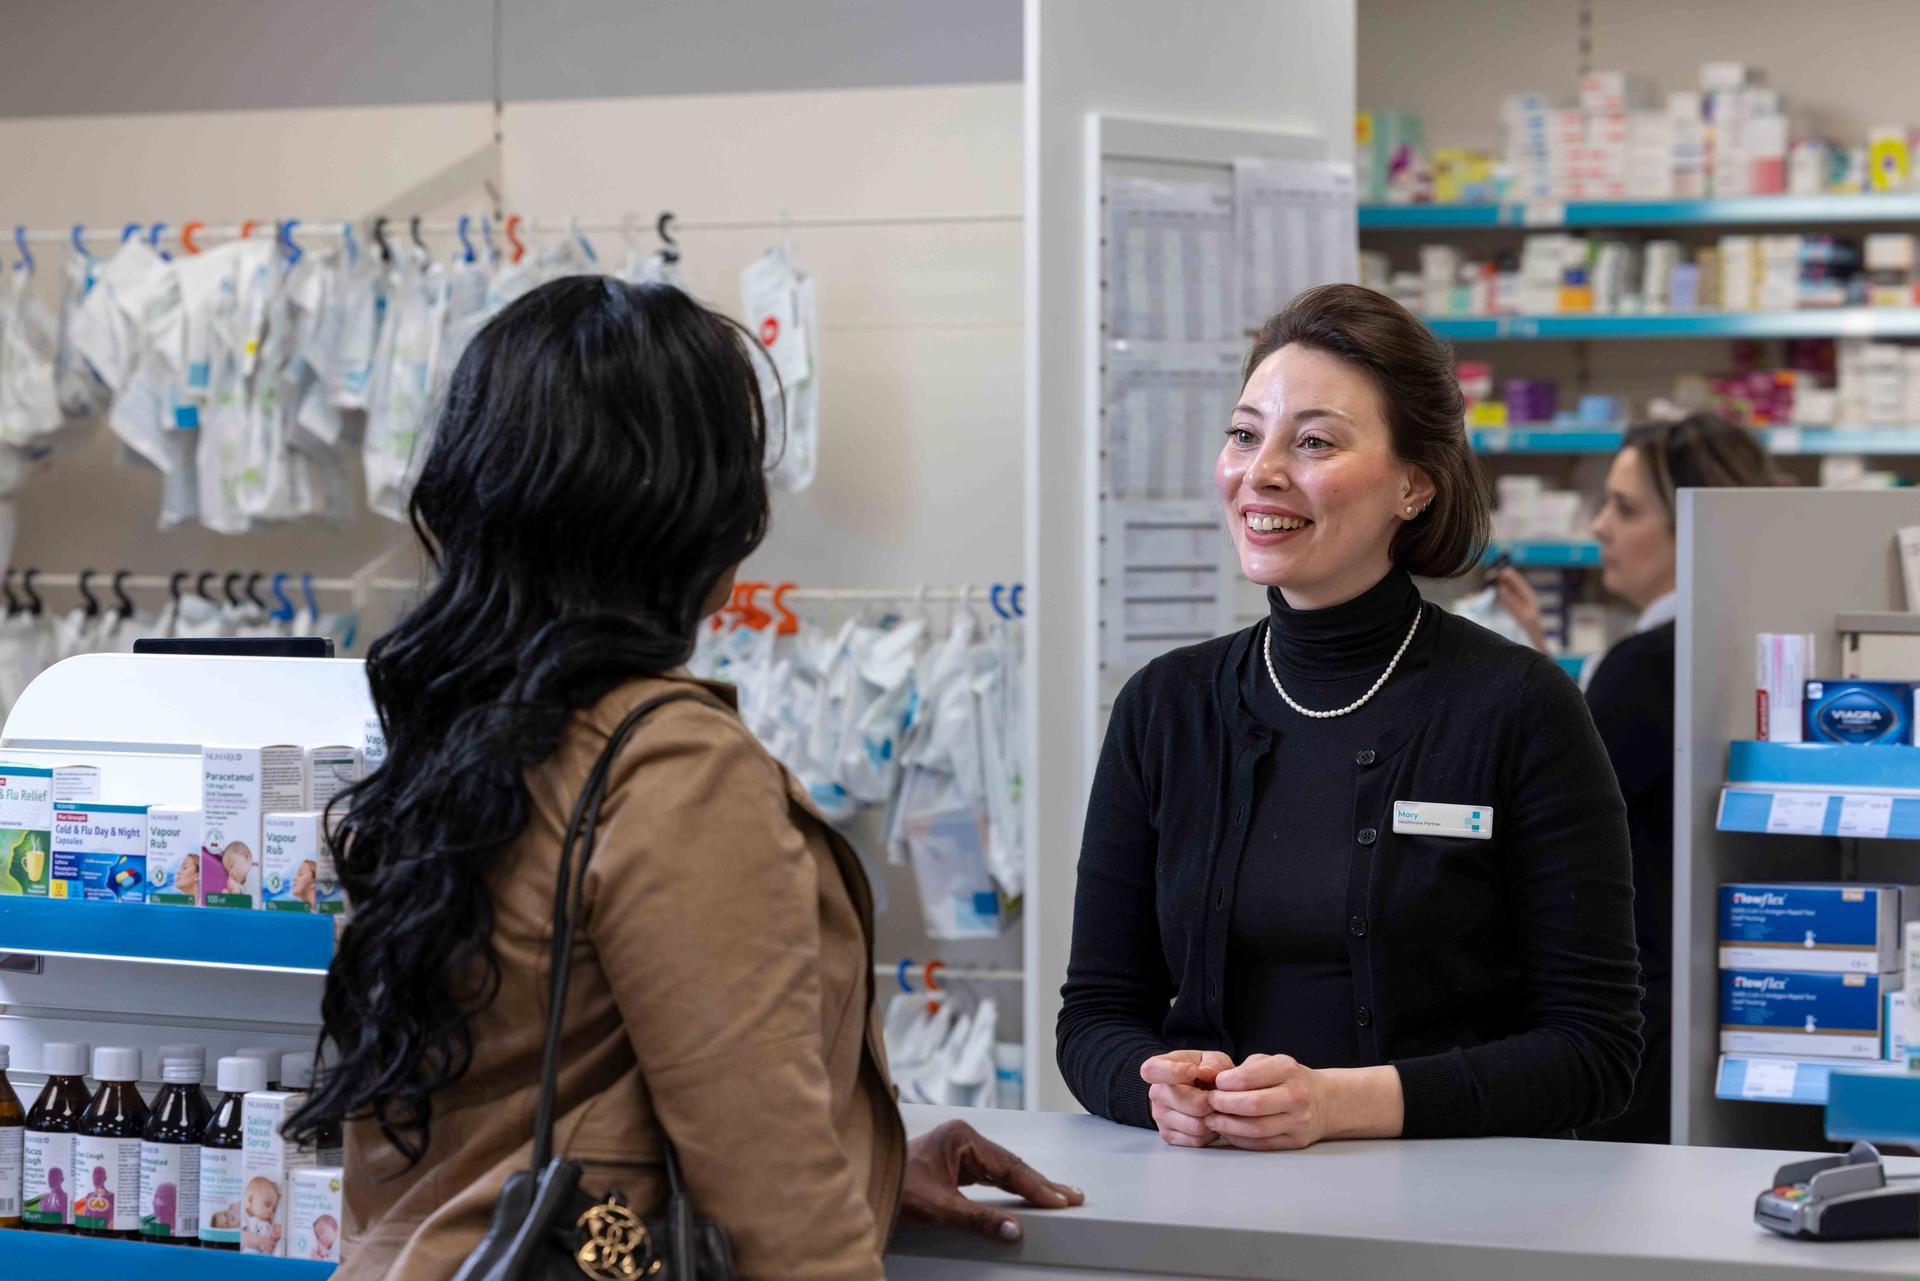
(778, 301)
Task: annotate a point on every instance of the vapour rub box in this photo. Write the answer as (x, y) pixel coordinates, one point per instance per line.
(173, 854)
(1859, 712)
(27, 797)
(1834, 929)
(99, 852)
(330, 771)
(239, 787)
(268, 1162)
(1782, 663)
(373, 745)
(299, 875)
(313, 1223)
(1825, 1016)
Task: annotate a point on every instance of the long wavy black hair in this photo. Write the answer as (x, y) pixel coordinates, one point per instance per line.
(596, 471)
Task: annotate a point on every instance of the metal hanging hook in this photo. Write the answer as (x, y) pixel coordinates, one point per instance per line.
(664, 226)
(380, 238)
(413, 229)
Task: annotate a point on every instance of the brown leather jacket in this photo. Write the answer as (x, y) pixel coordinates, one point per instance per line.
(721, 993)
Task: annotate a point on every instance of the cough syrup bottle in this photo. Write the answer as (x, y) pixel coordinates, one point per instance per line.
(222, 1182)
(170, 1155)
(106, 1149)
(47, 1190)
(13, 1136)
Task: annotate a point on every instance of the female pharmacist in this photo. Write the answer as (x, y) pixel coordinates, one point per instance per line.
(1630, 689)
(594, 479)
(1361, 870)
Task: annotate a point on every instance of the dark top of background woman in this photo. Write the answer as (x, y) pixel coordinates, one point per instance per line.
(1497, 976)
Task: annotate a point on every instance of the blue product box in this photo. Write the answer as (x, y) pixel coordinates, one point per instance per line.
(1826, 928)
(1816, 1016)
(99, 852)
(1859, 712)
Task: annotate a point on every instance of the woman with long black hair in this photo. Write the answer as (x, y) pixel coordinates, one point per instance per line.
(595, 478)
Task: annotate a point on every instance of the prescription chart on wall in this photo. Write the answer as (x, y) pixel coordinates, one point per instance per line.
(1188, 268)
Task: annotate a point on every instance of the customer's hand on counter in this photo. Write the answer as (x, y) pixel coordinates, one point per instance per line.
(1273, 1103)
(952, 1156)
(1179, 1086)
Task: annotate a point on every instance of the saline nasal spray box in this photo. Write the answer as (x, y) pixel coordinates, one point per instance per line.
(100, 852)
(1825, 1016)
(1835, 929)
(239, 787)
(28, 794)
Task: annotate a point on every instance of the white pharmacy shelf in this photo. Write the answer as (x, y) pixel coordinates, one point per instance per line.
(1606, 438)
(1760, 1078)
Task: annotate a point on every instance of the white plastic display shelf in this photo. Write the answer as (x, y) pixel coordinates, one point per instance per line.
(1760, 1078)
(1822, 789)
(1741, 211)
(1835, 322)
(1879, 1107)
(150, 932)
(31, 1256)
(1606, 438)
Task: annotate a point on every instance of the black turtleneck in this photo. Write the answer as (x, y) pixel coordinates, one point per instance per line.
(1289, 979)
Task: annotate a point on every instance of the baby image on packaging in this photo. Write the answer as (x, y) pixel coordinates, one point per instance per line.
(259, 1234)
(229, 872)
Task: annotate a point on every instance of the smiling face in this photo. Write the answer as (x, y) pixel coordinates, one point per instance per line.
(1637, 549)
(1313, 488)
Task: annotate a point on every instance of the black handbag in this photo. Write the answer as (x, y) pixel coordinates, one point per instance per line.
(546, 1227)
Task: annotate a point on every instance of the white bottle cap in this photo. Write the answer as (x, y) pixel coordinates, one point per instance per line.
(267, 1055)
(116, 1063)
(296, 1071)
(183, 1071)
(184, 1050)
(241, 1075)
(64, 1058)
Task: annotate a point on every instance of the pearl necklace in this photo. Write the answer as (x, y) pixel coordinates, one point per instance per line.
(1357, 704)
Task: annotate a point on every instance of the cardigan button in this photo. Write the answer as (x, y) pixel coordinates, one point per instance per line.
(1363, 1016)
(1368, 836)
(1365, 757)
(1357, 927)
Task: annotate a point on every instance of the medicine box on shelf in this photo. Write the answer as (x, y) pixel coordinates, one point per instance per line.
(1813, 927)
(1835, 1016)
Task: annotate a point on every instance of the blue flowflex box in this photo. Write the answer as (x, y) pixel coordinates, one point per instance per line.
(1859, 712)
(1822, 1016)
(1828, 928)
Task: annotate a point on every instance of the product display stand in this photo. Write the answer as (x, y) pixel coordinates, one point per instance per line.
(144, 975)
(1753, 561)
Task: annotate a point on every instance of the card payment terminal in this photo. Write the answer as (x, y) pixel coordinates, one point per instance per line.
(1841, 1198)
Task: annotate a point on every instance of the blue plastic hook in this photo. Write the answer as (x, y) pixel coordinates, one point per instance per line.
(486, 239)
(993, 598)
(80, 240)
(306, 590)
(1019, 610)
(466, 244)
(129, 231)
(900, 975)
(294, 251)
(353, 247)
(282, 608)
(20, 243)
(153, 241)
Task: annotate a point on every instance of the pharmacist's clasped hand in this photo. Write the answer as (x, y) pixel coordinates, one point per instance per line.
(1270, 1103)
(1179, 1085)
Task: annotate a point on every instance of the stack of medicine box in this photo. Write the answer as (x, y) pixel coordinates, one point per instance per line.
(1815, 970)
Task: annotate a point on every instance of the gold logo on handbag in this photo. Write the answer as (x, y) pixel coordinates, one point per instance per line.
(615, 1244)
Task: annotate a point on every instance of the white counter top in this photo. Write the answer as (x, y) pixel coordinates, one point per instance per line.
(1436, 1210)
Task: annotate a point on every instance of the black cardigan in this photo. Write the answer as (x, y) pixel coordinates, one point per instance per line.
(1499, 977)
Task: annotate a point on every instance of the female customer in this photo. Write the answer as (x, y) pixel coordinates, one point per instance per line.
(1360, 870)
(1630, 689)
(595, 478)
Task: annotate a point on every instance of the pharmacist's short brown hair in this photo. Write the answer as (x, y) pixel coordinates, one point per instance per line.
(1413, 368)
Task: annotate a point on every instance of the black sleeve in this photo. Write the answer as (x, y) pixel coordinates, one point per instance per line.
(1632, 702)
(1118, 987)
(1570, 895)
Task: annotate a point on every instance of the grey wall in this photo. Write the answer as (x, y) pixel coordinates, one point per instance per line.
(94, 57)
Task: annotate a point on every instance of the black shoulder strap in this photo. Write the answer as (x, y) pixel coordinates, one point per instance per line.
(568, 893)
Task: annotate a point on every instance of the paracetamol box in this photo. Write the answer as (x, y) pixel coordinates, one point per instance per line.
(27, 797)
(330, 771)
(239, 787)
(99, 852)
(1836, 929)
(1828, 1016)
(313, 1224)
(295, 862)
(268, 1163)
(173, 854)
(1859, 712)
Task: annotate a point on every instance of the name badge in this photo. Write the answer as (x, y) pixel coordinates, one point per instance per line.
(1429, 818)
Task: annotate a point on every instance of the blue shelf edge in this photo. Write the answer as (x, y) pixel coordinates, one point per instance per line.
(156, 933)
(1573, 664)
(1548, 213)
(1874, 1107)
(1607, 439)
(1549, 555)
(36, 1256)
(1839, 322)
(1887, 767)
(1812, 1078)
